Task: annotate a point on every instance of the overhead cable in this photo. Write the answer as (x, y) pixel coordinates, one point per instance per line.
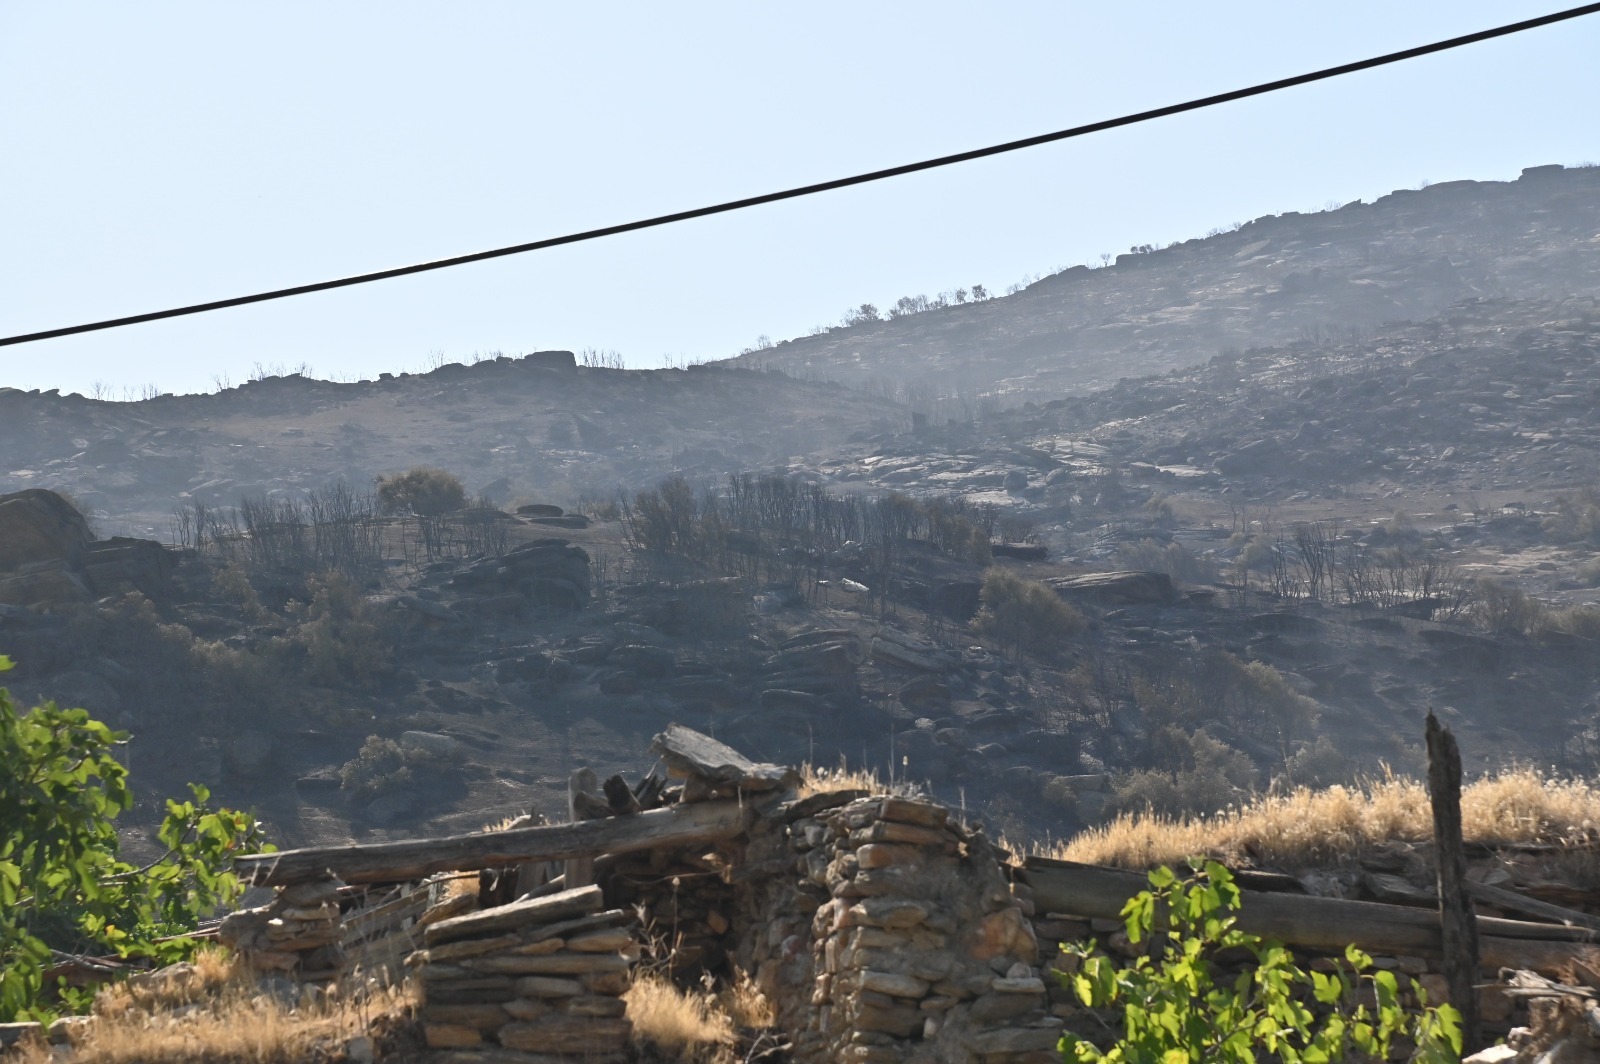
(821, 186)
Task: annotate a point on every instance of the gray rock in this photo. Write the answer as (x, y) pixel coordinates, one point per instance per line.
(431, 744)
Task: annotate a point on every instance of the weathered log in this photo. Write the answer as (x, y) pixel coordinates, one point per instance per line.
(1320, 923)
(581, 803)
(1501, 898)
(619, 797)
(392, 862)
(691, 755)
(1458, 924)
(519, 914)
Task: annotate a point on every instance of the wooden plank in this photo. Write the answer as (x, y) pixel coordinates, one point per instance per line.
(1501, 898)
(581, 901)
(580, 785)
(1457, 919)
(392, 862)
(691, 755)
(1319, 923)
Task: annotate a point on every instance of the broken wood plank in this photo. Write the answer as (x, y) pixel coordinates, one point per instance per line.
(691, 755)
(1501, 898)
(393, 862)
(581, 901)
(1320, 923)
(619, 797)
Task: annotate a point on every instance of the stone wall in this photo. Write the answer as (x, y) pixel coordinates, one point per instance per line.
(886, 932)
(540, 976)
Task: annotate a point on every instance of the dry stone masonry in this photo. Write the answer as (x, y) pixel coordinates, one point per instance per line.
(542, 976)
(882, 928)
(898, 939)
(299, 933)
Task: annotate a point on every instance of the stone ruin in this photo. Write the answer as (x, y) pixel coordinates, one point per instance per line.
(881, 927)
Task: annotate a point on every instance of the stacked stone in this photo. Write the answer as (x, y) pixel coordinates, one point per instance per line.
(540, 978)
(690, 908)
(299, 933)
(921, 952)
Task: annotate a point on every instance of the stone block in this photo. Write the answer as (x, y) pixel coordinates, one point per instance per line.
(567, 1034)
(544, 986)
(893, 983)
(886, 854)
(450, 1035)
(597, 1006)
(478, 1017)
(890, 913)
(552, 964)
(898, 1020)
(527, 1009)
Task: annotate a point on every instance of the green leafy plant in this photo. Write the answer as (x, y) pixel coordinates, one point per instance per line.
(1177, 1008)
(63, 884)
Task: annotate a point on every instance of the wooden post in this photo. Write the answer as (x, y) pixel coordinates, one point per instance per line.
(1457, 920)
(580, 870)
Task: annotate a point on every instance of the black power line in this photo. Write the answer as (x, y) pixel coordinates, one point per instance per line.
(822, 186)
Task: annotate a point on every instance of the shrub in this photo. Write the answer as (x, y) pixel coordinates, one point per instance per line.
(422, 490)
(1025, 615)
(63, 883)
(1203, 775)
(1175, 1006)
(382, 766)
(1174, 559)
(340, 633)
(1504, 610)
(1576, 518)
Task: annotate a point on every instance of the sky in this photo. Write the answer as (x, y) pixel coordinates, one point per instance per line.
(164, 153)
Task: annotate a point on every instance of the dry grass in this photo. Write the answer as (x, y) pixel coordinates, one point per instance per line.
(695, 1027)
(1305, 828)
(816, 779)
(679, 1024)
(214, 1013)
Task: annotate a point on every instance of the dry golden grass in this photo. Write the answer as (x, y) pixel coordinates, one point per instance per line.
(214, 1013)
(696, 1027)
(1305, 828)
(679, 1024)
(745, 1004)
(815, 779)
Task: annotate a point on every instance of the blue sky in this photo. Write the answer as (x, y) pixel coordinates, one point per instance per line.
(157, 154)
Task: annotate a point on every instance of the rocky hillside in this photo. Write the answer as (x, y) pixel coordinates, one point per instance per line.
(1336, 275)
(1361, 484)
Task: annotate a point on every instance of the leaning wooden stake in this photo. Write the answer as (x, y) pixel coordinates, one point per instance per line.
(1458, 922)
(580, 785)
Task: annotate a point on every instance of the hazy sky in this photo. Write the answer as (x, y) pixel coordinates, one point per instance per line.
(156, 154)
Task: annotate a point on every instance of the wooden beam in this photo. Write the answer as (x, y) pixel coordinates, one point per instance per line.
(1501, 898)
(1458, 924)
(580, 785)
(1320, 923)
(393, 862)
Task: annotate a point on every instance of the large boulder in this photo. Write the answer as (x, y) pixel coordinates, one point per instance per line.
(37, 525)
(50, 582)
(121, 564)
(1123, 587)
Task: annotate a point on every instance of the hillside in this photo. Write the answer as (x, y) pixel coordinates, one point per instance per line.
(1350, 421)
(1334, 275)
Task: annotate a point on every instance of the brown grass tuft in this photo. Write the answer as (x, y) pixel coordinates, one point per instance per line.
(212, 1012)
(1306, 827)
(815, 779)
(681, 1025)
